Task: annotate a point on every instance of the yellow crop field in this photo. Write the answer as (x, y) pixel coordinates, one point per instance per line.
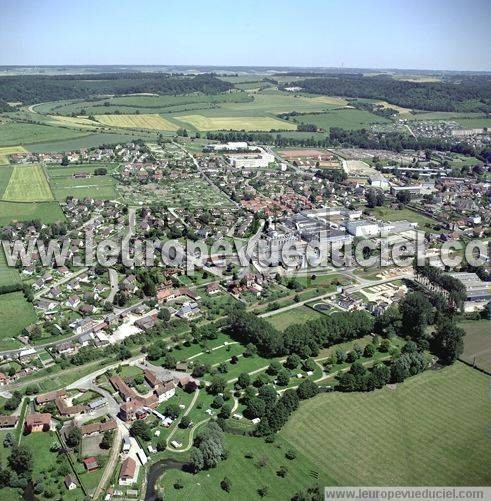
(150, 121)
(330, 100)
(28, 183)
(203, 123)
(9, 150)
(78, 122)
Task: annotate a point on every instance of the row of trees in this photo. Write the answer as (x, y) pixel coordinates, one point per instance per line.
(302, 339)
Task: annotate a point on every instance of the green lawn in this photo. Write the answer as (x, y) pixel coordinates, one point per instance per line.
(388, 214)
(98, 187)
(247, 475)
(5, 173)
(474, 123)
(15, 314)
(430, 430)
(297, 315)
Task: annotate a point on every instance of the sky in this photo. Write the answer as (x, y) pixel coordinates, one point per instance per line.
(416, 34)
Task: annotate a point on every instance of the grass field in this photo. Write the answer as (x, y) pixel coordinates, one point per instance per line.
(344, 118)
(14, 133)
(87, 141)
(431, 430)
(9, 150)
(477, 343)
(8, 275)
(390, 215)
(247, 475)
(149, 121)
(46, 212)
(297, 315)
(204, 123)
(28, 183)
(474, 123)
(15, 314)
(78, 122)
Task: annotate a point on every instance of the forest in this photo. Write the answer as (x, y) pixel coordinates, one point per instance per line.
(30, 89)
(468, 95)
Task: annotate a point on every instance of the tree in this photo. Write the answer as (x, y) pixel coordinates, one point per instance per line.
(161, 444)
(283, 378)
(73, 437)
(307, 389)
(211, 444)
(172, 411)
(403, 197)
(225, 411)
(164, 314)
(8, 441)
(65, 161)
(107, 440)
(20, 459)
(226, 484)
(243, 380)
(196, 459)
(255, 408)
(218, 385)
(448, 342)
(141, 429)
(417, 313)
(369, 351)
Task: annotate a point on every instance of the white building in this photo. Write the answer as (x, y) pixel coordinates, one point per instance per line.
(251, 160)
(362, 228)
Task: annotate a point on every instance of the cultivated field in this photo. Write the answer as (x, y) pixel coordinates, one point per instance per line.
(474, 123)
(46, 212)
(477, 343)
(28, 183)
(79, 122)
(345, 118)
(87, 141)
(24, 133)
(203, 123)
(9, 150)
(430, 430)
(150, 121)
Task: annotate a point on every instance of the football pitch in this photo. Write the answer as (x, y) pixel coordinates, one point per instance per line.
(28, 183)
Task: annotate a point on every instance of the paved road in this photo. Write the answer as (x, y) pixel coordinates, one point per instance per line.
(113, 280)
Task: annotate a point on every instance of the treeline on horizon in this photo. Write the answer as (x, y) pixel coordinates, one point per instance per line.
(363, 138)
(31, 89)
(465, 95)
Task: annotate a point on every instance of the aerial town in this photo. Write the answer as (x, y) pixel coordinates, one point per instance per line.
(265, 282)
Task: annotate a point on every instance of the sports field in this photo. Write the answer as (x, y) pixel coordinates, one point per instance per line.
(28, 183)
(149, 121)
(477, 343)
(99, 187)
(200, 122)
(431, 430)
